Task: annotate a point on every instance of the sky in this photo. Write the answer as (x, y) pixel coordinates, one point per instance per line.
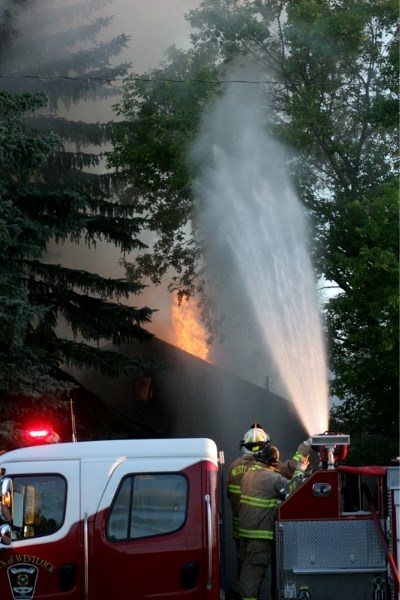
(153, 25)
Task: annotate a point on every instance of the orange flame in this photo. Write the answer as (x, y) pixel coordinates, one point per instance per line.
(190, 334)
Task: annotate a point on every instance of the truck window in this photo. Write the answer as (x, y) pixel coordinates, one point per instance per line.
(148, 505)
(38, 505)
(355, 489)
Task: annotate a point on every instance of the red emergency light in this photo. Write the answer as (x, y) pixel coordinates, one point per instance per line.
(42, 435)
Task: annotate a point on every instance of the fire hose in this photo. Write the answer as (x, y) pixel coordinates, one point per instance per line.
(381, 534)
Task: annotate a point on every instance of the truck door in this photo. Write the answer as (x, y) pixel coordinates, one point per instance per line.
(159, 535)
(42, 505)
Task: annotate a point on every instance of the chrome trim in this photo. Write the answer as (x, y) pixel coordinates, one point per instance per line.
(207, 499)
(279, 560)
(340, 571)
(86, 553)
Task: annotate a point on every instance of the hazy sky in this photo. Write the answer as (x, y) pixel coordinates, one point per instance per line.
(153, 25)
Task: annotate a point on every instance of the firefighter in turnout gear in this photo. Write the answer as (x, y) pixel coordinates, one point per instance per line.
(254, 440)
(261, 492)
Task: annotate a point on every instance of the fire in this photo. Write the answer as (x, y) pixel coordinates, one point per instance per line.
(190, 334)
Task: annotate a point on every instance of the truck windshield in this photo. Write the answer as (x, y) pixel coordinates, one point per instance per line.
(148, 505)
(37, 505)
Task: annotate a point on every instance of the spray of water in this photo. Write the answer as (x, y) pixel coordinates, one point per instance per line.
(247, 206)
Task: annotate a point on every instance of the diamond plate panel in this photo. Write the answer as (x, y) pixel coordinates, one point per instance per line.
(337, 544)
(393, 477)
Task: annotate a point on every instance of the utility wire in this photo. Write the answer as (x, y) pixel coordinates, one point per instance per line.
(154, 79)
(138, 77)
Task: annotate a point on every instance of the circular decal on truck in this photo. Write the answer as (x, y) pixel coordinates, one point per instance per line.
(22, 578)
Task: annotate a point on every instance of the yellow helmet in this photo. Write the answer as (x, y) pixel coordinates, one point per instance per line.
(254, 439)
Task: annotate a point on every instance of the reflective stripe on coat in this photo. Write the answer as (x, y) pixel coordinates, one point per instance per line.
(260, 497)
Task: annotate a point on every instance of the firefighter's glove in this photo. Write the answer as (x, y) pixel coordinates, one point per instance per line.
(302, 464)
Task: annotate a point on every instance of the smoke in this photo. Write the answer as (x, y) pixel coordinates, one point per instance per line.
(255, 240)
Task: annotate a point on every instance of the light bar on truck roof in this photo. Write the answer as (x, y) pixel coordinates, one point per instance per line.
(42, 435)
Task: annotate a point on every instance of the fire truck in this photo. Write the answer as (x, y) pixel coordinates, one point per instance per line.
(110, 519)
(143, 519)
(337, 535)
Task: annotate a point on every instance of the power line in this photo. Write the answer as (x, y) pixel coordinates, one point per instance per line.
(155, 79)
(55, 77)
(138, 77)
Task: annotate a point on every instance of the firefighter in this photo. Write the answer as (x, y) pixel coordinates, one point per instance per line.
(261, 492)
(254, 440)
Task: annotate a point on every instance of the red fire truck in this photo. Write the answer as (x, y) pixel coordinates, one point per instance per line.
(141, 519)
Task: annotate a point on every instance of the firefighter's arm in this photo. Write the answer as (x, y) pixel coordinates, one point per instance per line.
(288, 467)
(230, 487)
(304, 449)
(232, 482)
(297, 479)
(301, 465)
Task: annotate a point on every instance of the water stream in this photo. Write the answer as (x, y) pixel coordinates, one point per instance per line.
(250, 213)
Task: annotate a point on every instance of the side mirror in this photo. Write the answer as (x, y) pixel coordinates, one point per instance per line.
(5, 534)
(6, 499)
(12, 503)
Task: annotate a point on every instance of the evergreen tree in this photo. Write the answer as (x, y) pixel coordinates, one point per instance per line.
(50, 192)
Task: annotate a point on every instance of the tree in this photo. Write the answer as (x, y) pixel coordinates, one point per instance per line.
(345, 132)
(363, 323)
(330, 71)
(48, 194)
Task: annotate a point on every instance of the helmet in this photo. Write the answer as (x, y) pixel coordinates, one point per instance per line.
(269, 455)
(254, 439)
